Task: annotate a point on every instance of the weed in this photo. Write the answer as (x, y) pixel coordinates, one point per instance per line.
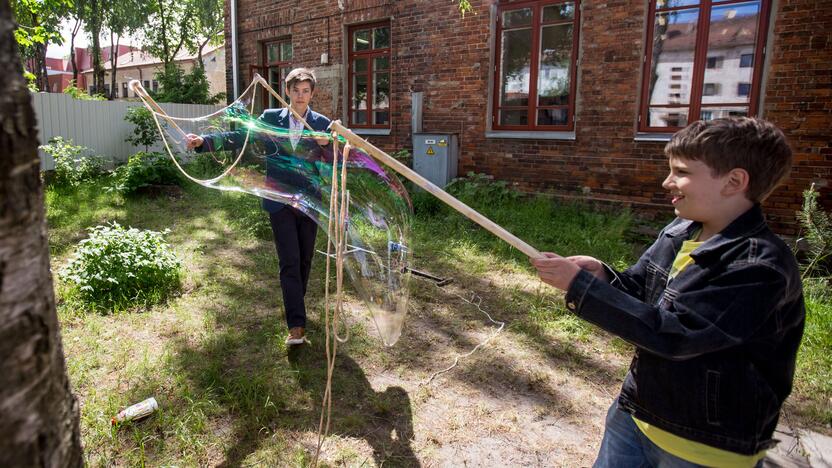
(116, 267)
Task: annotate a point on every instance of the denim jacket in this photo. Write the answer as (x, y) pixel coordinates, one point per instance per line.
(716, 345)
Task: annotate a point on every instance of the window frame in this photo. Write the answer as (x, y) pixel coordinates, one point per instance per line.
(703, 24)
(536, 25)
(370, 55)
(265, 67)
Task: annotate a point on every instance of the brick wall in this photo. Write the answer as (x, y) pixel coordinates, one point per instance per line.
(447, 57)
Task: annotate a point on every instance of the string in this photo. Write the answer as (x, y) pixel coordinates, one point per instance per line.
(476, 301)
(336, 233)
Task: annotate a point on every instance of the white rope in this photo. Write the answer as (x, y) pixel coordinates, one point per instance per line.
(475, 301)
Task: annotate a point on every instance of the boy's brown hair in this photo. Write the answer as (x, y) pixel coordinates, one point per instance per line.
(755, 145)
(301, 74)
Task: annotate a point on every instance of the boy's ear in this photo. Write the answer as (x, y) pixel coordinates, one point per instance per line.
(736, 182)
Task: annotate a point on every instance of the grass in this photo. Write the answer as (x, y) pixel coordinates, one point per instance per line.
(230, 392)
(813, 386)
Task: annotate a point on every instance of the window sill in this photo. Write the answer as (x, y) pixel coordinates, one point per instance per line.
(530, 135)
(371, 131)
(659, 137)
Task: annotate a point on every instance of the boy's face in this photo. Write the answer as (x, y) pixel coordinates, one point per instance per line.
(696, 193)
(300, 94)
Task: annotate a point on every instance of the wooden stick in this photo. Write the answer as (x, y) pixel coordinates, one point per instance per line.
(417, 179)
(137, 88)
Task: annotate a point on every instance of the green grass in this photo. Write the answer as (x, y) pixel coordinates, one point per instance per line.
(813, 386)
(230, 392)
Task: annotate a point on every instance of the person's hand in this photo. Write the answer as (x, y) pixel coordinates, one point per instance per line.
(322, 141)
(193, 141)
(590, 264)
(555, 270)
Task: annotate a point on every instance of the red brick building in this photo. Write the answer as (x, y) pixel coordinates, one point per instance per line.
(574, 97)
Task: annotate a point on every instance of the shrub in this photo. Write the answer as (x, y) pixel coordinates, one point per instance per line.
(117, 267)
(185, 88)
(145, 132)
(479, 189)
(80, 94)
(72, 166)
(146, 170)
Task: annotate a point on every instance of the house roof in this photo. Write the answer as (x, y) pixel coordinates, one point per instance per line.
(138, 58)
(733, 32)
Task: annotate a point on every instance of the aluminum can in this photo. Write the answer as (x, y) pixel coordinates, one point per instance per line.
(137, 411)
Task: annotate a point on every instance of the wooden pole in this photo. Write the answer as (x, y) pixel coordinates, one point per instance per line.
(137, 88)
(417, 179)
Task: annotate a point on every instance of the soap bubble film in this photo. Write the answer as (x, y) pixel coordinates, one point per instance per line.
(243, 153)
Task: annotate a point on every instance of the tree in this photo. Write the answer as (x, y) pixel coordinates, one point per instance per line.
(39, 423)
(39, 24)
(168, 29)
(122, 17)
(209, 23)
(77, 14)
(94, 18)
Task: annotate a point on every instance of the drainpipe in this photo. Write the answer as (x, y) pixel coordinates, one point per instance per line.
(235, 79)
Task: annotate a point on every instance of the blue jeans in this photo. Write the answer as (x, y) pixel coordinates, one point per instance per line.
(625, 446)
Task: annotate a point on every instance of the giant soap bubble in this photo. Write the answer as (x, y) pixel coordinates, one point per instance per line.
(243, 153)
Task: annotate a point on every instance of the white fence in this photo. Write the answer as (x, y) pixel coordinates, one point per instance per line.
(98, 125)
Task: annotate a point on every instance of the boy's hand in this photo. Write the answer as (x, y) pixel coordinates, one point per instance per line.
(193, 141)
(591, 265)
(555, 270)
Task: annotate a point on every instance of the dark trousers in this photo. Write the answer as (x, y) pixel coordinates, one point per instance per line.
(294, 237)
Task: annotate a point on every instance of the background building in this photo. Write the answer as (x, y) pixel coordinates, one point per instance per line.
(139, 65)
(574, 98)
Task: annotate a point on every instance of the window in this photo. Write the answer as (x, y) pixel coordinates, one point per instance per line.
(711, 89)
(534, 78)
(107, 89)
(146, 84)
(277, 63)
(369, 75)
(743, 89)
(706, 46)
(124, 89)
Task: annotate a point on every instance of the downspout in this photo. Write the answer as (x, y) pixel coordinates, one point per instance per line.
(235, 79)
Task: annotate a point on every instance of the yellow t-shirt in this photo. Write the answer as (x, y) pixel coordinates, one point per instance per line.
(685, 449)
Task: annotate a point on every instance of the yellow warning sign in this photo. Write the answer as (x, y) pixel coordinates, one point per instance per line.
(430, 151)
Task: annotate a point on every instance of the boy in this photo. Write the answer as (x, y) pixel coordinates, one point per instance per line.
(294, 232)
(714, 308)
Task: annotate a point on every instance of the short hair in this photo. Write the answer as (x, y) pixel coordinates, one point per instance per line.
(755, 145)
(301, 74)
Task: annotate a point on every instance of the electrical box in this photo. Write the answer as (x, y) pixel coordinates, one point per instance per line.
(435, 156)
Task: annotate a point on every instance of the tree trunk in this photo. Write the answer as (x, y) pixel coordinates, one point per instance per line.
(72, 60)
(38, 413)
(95, 33)
(42, 81)
(113, 65)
